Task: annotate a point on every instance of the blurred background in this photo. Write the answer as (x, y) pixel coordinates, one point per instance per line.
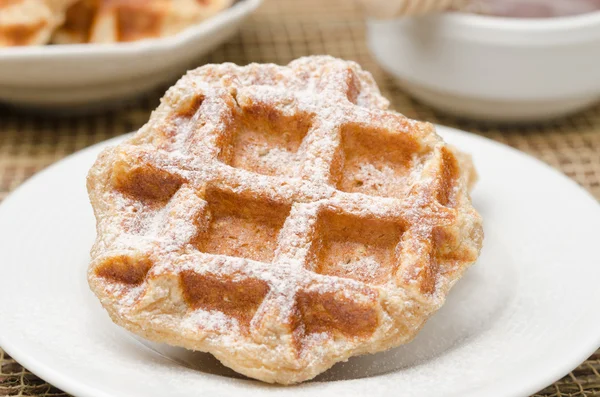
(531, 82)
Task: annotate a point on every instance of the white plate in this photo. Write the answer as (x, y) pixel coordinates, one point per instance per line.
(96, 75)
(521, 318)
(493, 68)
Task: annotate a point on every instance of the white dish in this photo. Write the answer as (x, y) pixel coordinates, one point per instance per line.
(84, 76)
(497, 335)
(492, 68)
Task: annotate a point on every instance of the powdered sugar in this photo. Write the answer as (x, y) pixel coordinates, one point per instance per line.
(211, 321)
(367, 266)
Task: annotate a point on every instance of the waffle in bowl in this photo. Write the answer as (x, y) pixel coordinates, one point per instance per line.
(280, 218)
(29, 22)
(112, 21)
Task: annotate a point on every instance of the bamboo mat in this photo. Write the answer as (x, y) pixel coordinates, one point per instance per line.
(280, 31)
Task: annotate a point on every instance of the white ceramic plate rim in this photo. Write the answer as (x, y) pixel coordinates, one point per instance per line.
(517, 32)
(525, 24)
(549, 369)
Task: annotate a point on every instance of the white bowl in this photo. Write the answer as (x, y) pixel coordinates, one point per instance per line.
(84, 76)
(503, 69)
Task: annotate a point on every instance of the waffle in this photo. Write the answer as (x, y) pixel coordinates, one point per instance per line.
(29, 22)
(110, 21)
(280, 218)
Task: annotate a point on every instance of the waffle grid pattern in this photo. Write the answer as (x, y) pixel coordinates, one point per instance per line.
(290, 188)
(279, 32)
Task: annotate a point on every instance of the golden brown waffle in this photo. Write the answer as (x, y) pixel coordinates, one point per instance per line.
(29, 22)
(280, 218)
(110, 21)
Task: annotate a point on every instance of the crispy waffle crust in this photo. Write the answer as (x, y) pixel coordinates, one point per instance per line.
(29, 22)
(280, 218)
(110, 21)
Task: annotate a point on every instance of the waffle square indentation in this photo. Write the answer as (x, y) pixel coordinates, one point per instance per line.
(359, 248)
(242, 226)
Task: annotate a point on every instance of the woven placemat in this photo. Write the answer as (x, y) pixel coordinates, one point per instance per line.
(280, 31)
